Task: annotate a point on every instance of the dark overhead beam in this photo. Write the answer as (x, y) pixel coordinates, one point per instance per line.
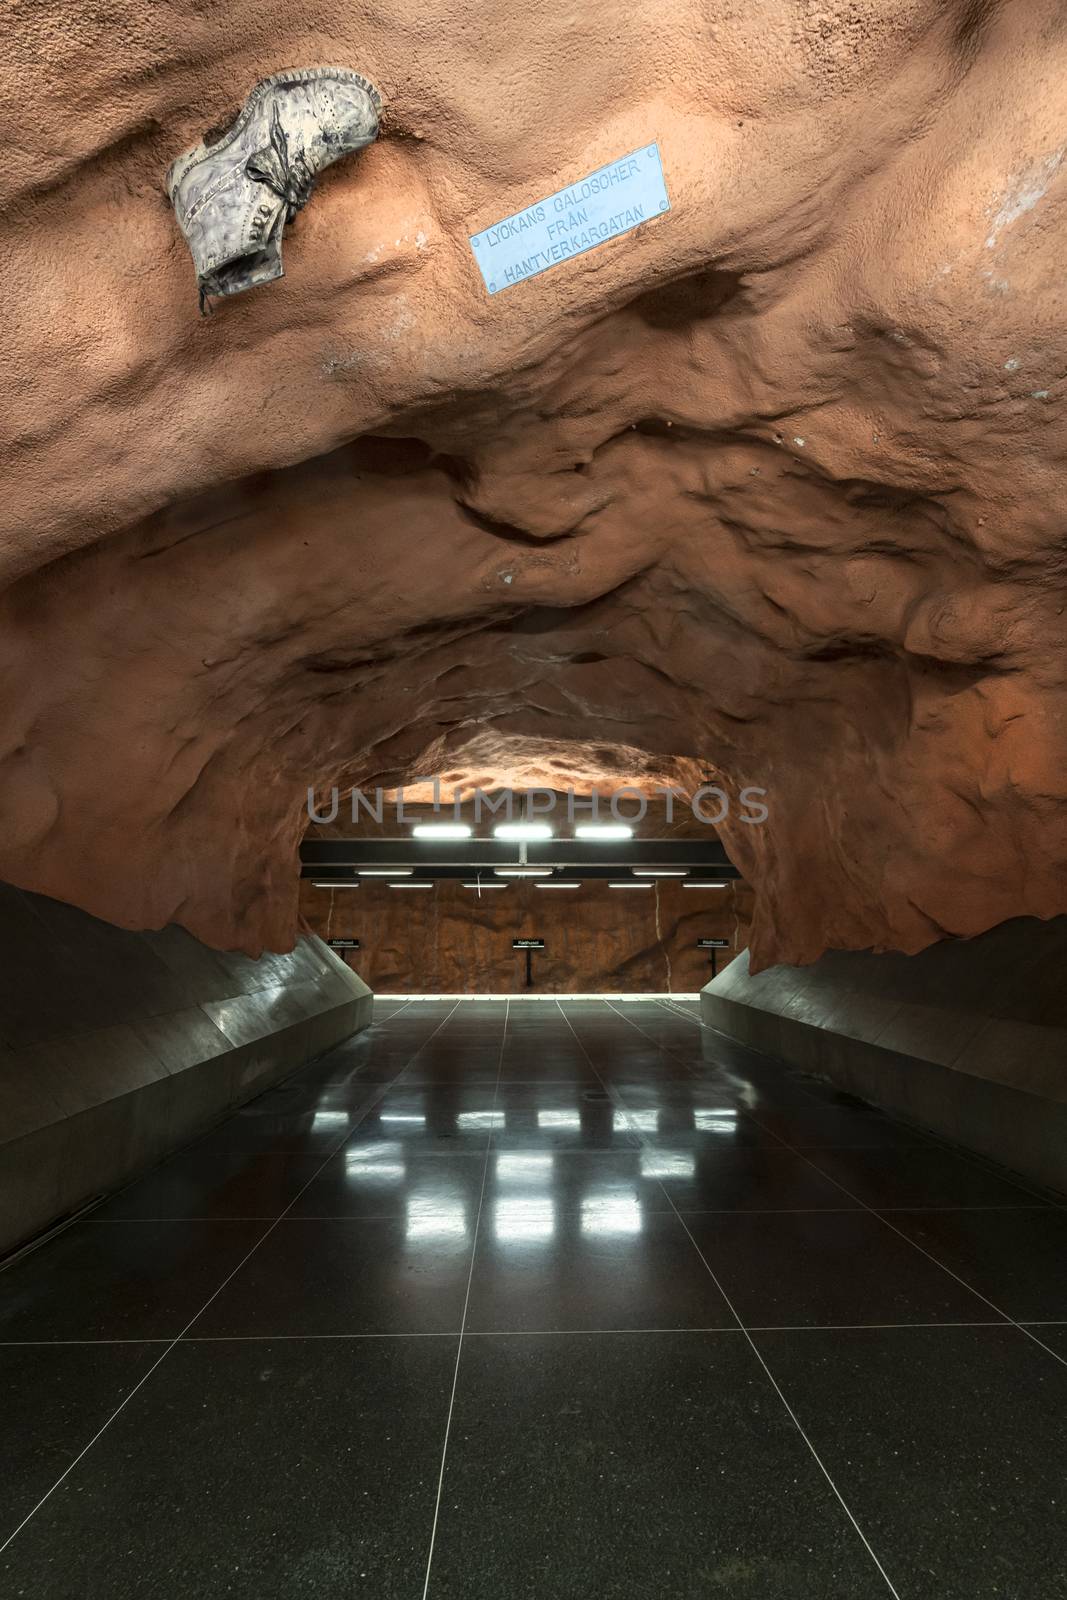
(453, 858)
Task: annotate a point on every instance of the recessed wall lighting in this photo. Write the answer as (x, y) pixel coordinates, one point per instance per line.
(385, 872)
(661, 872)
(522, 832)
(557, 885)
(605, 831)
(441, 830)
(695, 883)
(522, 872)
(344, 883)
(413, 883)
(630, 884)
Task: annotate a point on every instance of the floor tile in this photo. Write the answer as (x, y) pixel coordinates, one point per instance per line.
(705, 1173)
(297, 1133)
(634, 1466)
(1054, 1336)
(607, 1264)
(392, 1179)
(826, 1267)
(352, 1276)
(947, 1444)
(216, 1183)
(924, 1176)
(257, 1471)
(120, 1280)
(1018, 1259)
(838, 1126)
(53, 1398)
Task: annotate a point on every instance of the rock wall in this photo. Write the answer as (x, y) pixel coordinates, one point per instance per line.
(771, 484)
(597, 940)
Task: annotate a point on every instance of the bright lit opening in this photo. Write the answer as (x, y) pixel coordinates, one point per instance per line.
(441, 830)
(603, 830)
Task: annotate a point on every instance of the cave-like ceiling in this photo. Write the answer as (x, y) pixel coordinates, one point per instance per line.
(771, 486)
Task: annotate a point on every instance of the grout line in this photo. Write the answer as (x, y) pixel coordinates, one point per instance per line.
(778, 1390)
(521, 1333)
(884, 1219)
(463, 1320)
(173, 1342)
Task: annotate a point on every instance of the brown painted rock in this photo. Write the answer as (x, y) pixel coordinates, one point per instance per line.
(772, 484)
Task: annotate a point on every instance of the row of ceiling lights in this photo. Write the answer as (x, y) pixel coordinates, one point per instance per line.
(522, 833)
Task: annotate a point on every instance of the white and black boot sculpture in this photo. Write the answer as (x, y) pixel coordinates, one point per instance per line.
(234, 192)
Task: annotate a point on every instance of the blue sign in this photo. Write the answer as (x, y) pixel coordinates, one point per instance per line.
(610, 201)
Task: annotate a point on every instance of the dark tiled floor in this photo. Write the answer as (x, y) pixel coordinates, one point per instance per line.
(713, 1329)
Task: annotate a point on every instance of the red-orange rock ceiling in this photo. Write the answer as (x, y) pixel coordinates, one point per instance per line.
(774, 483)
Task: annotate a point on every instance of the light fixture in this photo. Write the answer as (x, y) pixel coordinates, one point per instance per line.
(557, 883)
(661, 872)
(487, 885)
(441, 830)
(413, 883)
(603, 830)
(700, 883)
(385, 872)
(630, 884)
(522, 832)
(342, 883)
(523, 872)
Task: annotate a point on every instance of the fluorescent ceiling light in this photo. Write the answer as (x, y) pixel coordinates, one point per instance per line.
(695, 883)
(522, 832)
(441, 830)
(385, 872)
(485, 885)
(344, 883)
(413, 883)
(603, 830)
(523, 872)
(632, 884)
(661, 872)
(559, 884)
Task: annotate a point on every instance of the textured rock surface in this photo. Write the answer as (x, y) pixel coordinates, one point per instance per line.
(773, 484)
(597, 940)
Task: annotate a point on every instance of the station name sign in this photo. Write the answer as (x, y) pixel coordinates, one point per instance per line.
(713, 944)
(588, 213)
(527, 944)
(343, 944)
